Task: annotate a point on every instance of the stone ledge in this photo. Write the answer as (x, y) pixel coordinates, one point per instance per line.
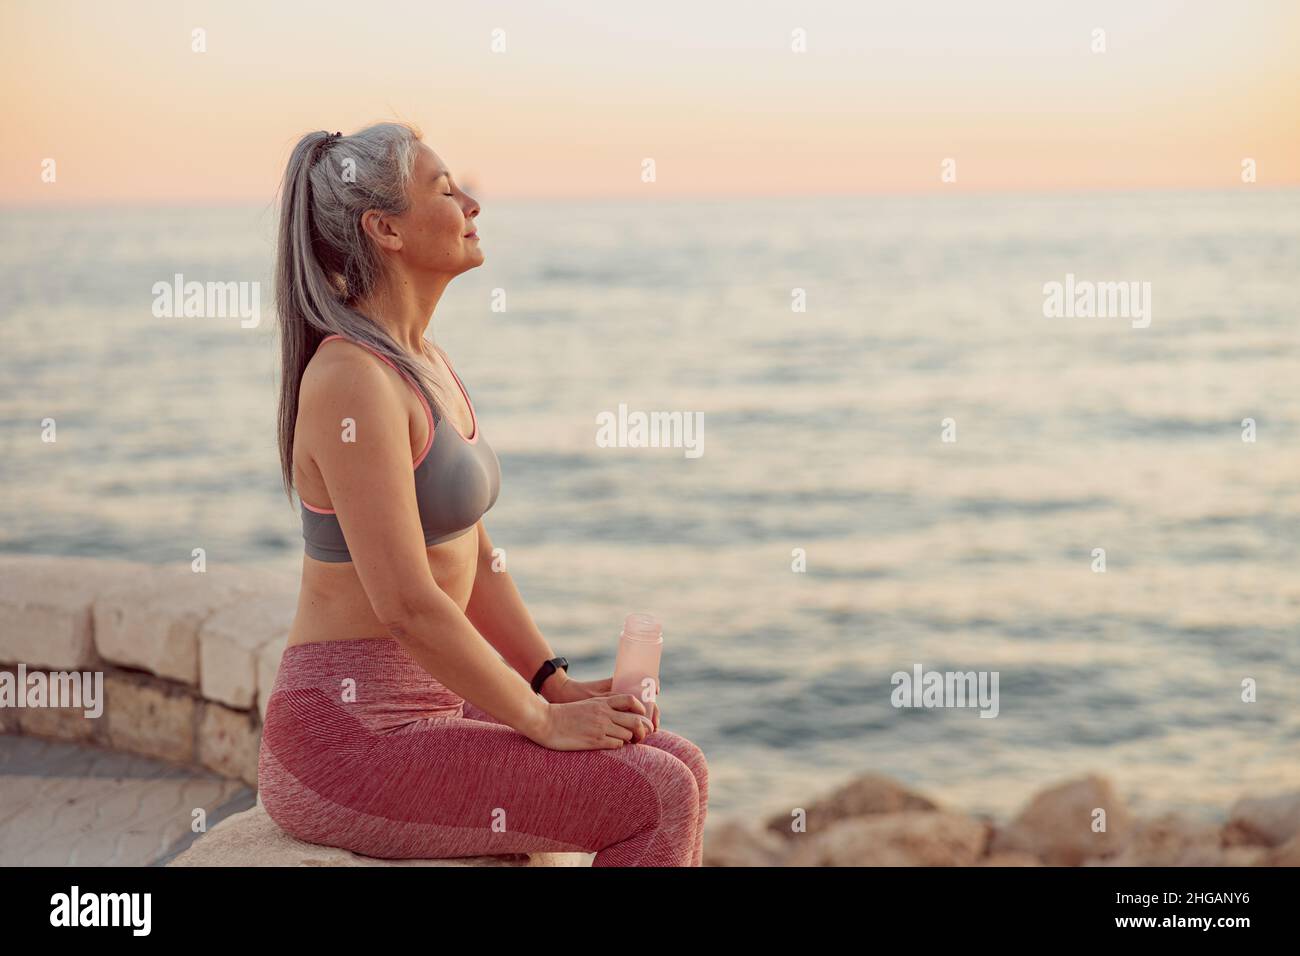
(152, 623)
(231, 643)
(252, 838)
(188, 659)
(45, 607)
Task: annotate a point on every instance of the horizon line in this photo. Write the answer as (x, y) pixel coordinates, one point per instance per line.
(1041, 192)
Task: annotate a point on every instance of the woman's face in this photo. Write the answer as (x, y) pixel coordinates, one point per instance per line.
(438, 230)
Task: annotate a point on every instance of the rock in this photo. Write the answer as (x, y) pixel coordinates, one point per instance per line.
(1265, 821)
(230, 642)
(1171, 839)
(145, 718)
(228, 742)
(1056, 825)
(1288, 854)
(45, 608)
(868, 794)
(731, 843)
(1010, 859)
(62, 723)
(909, 838)
(251, 838)
(153, 623)
(1249, 856)
(8, 719)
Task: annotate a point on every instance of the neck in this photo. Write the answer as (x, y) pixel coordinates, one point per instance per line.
(404, 307)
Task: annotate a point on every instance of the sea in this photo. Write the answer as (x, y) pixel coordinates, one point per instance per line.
(905, 459)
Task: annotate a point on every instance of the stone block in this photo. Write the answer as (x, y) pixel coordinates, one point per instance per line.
(251, 838)
(153, 623)
(45, 607)
(144, 717)
(228, 742)
(230, 642)
(268, 662)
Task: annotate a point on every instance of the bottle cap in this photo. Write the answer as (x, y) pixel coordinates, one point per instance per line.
(640, 626)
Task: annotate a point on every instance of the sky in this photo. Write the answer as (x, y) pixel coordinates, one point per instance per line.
(577, 95)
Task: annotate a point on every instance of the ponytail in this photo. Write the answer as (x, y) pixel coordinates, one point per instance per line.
(324, 261)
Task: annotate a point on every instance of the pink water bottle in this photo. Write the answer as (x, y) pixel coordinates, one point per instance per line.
(636, 669)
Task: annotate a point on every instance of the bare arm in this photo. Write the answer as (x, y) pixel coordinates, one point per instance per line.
(497, 609)
(370, 489)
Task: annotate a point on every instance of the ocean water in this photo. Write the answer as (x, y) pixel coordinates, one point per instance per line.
(823, 432)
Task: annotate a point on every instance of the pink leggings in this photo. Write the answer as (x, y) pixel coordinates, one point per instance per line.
(363, 749)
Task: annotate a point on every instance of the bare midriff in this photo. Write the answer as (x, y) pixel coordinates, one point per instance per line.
(332, 603)
(333, 606)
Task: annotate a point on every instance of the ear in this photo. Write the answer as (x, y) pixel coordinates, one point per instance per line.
(381, 230)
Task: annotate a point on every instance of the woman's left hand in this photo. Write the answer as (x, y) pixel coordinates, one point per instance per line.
(568, 690)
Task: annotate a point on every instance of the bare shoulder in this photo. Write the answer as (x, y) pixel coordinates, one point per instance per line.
(342, 367)
(344, 379)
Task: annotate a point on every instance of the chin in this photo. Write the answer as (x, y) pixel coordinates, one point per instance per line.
(473, 263)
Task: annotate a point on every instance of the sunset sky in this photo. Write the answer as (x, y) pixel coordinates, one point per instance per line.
(584, 91)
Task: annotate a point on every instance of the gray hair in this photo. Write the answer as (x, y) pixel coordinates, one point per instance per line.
(324, 260)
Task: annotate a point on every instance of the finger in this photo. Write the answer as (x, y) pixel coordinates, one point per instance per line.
(626, 702)
(610, 743)
(634, 726)
(628, 723)
(651, 720)
(622, 733)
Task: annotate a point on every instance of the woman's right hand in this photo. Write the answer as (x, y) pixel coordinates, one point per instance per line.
(597, 723)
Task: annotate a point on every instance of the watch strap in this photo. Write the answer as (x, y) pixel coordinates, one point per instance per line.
(546, 670)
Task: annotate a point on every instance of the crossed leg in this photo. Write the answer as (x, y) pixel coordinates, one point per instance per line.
(452, 787)
(669, 742)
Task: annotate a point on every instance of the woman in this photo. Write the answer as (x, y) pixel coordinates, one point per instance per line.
(392, 729)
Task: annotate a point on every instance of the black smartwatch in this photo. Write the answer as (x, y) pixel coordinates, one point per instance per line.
(546, 670)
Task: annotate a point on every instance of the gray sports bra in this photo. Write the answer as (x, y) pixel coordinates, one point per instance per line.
(456, 481)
